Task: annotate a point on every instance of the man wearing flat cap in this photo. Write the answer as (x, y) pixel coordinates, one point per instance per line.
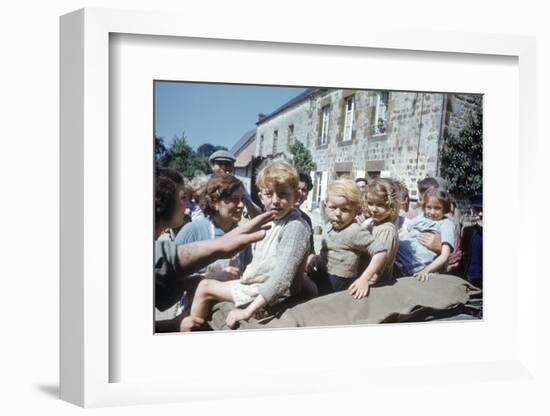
(223, 161)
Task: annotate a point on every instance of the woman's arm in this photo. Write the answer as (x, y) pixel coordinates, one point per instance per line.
(251, 207)
(194, 256)
(431, 240)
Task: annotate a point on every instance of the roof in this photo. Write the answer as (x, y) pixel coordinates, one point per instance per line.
(299, 98)
(243, 141)
(246, 153)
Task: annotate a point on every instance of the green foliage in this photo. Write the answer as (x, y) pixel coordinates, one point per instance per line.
(301, 157)
(207, 149)
(160, 148)
(461, 156)
(181, 157)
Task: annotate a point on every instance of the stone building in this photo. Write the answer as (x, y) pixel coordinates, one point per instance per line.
(364, 133)
(244, 151)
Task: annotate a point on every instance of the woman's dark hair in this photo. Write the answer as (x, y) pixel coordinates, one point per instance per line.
(165, 197)
(426, 183)
(167, 181)
(305, 178)
(218, 187)
(169, 173)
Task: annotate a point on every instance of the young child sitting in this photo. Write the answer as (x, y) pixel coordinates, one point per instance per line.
(346, 243)
(382, 201)
(278, 262)
(412, 257)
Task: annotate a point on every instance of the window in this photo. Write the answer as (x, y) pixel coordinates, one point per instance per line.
(372, 174)
(348, 124)
(290, 134)
(261, 145)
(320, 182)
(275, 141)
(379, 124)
(343, 174)
(324, 125)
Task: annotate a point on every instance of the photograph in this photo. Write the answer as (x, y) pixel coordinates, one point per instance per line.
(288, 206)
(298, 188)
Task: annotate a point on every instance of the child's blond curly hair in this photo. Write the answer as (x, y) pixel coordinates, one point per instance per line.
(276, 173)
(347, 189)
(387, 191)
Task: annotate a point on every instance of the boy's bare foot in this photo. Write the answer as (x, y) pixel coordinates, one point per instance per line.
(190, 322)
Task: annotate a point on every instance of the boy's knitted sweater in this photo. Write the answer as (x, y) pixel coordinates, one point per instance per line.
(342, 249)
(279, 257)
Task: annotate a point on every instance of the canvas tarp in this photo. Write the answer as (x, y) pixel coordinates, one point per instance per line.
(405, 300)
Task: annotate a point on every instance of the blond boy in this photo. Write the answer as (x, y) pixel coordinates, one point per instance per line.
(278, 262)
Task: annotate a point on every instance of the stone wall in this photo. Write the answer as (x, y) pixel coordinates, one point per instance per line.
(412, 145)
(407, 151)
(299, 116)
(459, 107)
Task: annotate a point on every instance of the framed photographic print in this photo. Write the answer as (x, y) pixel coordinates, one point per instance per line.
(111, 65)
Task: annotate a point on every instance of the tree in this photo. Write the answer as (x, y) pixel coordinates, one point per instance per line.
(207, 149)
(160, 148)
(181, 157)
(301, 157)
(461, 156)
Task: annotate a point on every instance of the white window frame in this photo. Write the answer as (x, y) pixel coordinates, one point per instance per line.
(275, 143)
(378, 113)
(324, 125)
(261, 147)
(348, 124)
(290, 139)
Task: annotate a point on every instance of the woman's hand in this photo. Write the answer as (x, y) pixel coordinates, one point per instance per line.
(250, 232)
(431, 240)
(359, 288)
(235, 316)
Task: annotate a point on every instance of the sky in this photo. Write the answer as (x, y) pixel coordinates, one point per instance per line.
(219, 114)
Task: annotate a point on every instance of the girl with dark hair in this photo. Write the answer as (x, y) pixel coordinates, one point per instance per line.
(171, 201)
(412, 257)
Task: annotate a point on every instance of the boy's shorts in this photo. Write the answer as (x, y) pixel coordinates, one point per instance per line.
(243, 294)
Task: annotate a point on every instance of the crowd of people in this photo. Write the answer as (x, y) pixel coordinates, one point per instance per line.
(205, 253)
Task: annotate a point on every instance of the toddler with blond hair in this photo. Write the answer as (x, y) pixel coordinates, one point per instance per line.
(346, 243)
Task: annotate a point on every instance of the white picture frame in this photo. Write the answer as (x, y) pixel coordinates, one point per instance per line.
(86, 356)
